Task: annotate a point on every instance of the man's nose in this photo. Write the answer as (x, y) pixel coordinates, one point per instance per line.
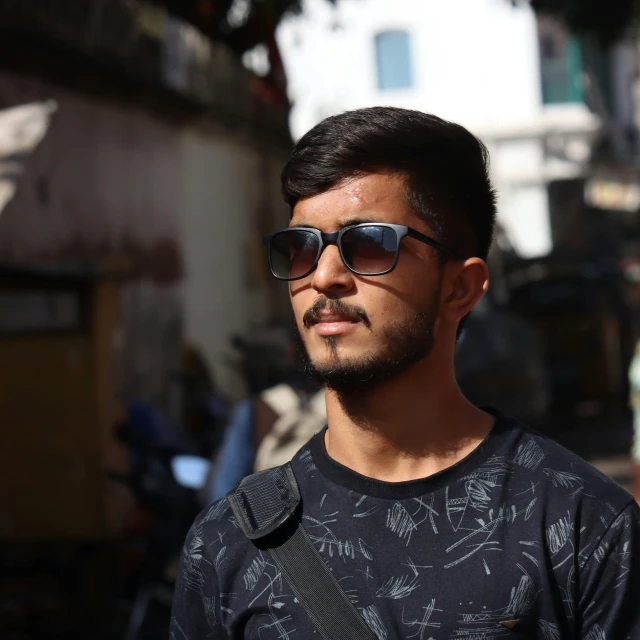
(331, 273)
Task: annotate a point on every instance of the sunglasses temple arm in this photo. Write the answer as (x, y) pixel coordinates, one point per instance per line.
(434, 243)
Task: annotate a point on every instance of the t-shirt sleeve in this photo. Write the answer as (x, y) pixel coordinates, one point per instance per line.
(609, 598)
(196, 601)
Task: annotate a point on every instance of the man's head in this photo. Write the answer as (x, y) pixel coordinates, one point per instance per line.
(388, 165)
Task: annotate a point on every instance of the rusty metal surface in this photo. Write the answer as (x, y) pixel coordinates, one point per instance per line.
(104, 187)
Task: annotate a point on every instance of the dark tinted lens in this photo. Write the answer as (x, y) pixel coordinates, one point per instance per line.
(370, 250)
(293, 253)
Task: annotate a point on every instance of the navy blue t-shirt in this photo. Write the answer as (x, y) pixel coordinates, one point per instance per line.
(521, 531)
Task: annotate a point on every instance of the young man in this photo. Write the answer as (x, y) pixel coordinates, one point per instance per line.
(437, 518)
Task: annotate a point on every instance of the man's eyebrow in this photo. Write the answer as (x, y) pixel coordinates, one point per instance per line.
(348, 222)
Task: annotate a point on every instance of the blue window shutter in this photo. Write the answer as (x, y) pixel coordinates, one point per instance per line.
(574, 71)
(393, 60)
(561, 72)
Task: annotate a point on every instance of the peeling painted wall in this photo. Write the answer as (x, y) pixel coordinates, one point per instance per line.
(181, 211)
(105, 181)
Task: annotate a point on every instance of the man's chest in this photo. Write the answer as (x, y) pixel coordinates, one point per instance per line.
(443, 566)
(405, 592)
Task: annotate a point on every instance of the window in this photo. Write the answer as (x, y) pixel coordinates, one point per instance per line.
(40, 310)
(561, 68)
(393, 60)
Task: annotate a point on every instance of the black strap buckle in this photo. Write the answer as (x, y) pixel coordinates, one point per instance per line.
(263, 501)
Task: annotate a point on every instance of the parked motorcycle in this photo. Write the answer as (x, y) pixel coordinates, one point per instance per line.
(165, 478)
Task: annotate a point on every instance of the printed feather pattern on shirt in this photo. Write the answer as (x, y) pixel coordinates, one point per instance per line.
(530, 455)
(549, 630)
(454, 563)
(374, 620)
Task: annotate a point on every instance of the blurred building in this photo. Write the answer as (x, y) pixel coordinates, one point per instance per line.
(161, 165)
(514, 80)
(136, 228)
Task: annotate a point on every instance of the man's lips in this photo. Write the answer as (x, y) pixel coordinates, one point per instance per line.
(332, 324)
(330, 317)
(334, 317)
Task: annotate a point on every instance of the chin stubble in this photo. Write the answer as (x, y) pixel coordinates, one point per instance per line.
(402, 344)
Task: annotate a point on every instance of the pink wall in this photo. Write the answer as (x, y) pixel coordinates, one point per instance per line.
(104, 183)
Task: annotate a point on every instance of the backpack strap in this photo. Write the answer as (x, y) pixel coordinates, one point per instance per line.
(263, 504)
(263, 501)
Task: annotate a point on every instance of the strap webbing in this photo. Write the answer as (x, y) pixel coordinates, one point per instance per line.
(266, 508)
(317, 590)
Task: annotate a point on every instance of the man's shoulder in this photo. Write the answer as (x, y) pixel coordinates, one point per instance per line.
(564, 480)
(216, 522)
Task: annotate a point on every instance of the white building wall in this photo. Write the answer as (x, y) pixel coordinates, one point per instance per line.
(474, 62)
(223, 293)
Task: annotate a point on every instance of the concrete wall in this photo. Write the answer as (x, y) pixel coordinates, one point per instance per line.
(474, 61)
(104, 181)
(229, 200)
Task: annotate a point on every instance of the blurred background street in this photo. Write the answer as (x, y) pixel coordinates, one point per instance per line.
(146, 356)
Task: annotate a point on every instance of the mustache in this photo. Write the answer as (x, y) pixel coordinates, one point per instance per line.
(352, 313)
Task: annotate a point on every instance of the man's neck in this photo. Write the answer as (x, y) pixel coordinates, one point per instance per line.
(408, 428)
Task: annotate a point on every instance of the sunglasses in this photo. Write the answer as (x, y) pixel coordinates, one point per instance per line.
(368, 249)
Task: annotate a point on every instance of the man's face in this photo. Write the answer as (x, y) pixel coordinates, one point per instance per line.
(358, 331)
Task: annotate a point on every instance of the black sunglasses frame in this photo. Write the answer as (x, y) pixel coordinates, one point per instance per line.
(335, 237)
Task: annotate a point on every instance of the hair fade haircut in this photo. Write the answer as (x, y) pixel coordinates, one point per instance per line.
(445, 166)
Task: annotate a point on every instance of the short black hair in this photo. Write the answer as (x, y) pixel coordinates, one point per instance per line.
(446, 168)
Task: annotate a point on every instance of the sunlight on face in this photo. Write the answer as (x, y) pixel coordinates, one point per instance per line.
(400, 307)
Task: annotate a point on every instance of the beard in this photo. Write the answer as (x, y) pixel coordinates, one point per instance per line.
(402, 344)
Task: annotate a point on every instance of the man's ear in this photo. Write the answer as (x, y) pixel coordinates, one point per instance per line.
(464, 284)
